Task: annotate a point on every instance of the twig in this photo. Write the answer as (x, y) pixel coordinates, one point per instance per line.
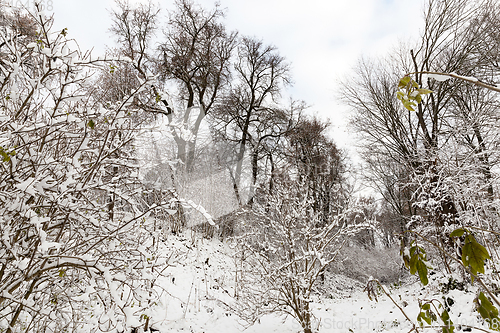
(395, 303)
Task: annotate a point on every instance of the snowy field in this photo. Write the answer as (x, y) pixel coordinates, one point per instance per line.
(199, 291)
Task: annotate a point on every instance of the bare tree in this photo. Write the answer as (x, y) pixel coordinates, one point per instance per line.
(284, 252)
(134, 28)
(411, 151)
(196, 53)
(316, 159)
(248, 114)
(391, 141)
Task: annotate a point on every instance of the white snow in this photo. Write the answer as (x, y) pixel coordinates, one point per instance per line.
(438, 77)
(198, 296)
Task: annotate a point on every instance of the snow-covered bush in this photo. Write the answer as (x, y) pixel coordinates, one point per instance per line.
(78, 251)
(283, 253)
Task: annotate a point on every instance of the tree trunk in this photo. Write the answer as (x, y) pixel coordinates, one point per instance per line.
(181, 150)
(241, 154)
(191, 145)
(306, 319)
(484, 159)
(255, 159)
(271, 178)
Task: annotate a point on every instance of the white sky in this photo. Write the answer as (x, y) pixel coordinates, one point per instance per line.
(322, 39)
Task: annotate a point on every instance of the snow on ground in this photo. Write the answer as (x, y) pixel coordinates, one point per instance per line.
(200, 286)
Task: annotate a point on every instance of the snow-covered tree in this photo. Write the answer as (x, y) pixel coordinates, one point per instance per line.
(412, 150)
(284, 252)
(250, 113)
(196, 53)
(78, 252)
(437, 146)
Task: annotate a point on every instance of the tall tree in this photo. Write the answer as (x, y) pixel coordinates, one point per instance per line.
(249, 114)
(320, 164)
(196, 53)
(134, 27)
(391, 142)
(454, 123)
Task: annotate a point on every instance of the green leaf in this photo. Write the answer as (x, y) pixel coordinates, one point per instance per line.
(413, 264)
(488, 311)
(427, 319)
(411, 92)
(5, 154)
(448, 324)
(422, 272)
(474, 255)
(488, 306)
(457, 232)
(482, 311)
(426, 306)
(91, 124)
(421, 317)
(417, 263)
(424, 91)
(404, 82)
(408, 105)
(412, 250)
(406, 260)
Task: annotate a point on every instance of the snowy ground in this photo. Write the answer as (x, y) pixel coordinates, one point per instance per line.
(200, 286)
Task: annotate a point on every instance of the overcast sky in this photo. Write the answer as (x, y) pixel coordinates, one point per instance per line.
(322, 39)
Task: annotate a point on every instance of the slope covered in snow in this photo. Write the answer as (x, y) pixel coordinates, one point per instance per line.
(199, 296)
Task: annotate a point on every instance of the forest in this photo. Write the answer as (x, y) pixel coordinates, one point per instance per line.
(171, 185)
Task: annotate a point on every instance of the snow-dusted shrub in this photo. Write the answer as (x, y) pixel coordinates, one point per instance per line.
(357, 262)
(229, 225)
(77, 252)
(284, 250)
